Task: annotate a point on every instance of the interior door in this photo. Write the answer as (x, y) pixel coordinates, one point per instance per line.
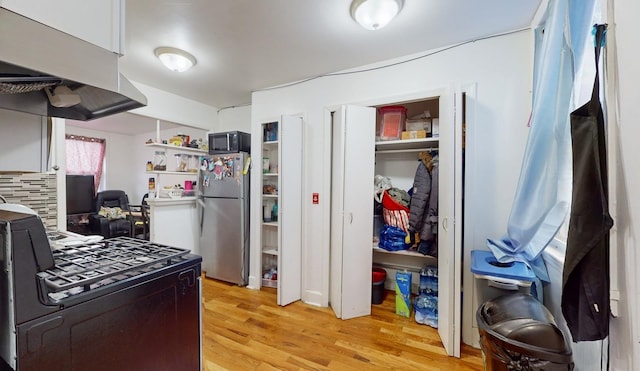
(449, 206)
(351, 210)
(290, 210)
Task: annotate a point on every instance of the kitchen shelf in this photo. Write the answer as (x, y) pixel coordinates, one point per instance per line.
(270, 174)
(172, 172)
(176, 148)
(270, 196)
(270, 224)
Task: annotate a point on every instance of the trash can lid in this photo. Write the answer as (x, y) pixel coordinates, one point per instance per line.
(522, 321)
(378, 275)
(485, 263)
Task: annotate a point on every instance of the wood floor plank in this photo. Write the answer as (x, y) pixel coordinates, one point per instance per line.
(245, 329)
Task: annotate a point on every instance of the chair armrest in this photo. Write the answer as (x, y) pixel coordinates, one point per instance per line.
(98, 225)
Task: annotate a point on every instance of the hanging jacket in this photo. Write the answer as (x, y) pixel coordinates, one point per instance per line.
(421, 210)
(432, 214)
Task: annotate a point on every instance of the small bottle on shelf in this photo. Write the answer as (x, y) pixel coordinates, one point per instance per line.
(274, 212)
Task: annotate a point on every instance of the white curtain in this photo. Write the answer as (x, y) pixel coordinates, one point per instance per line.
(543, 195)
(85, 156)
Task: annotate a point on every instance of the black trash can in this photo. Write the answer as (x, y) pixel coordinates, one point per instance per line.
(517, 332)
(378, 275)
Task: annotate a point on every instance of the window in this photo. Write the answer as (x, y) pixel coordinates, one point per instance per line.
(85, 156)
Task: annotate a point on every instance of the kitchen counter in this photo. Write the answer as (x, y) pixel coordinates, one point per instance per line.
(171, 201)
(174, 222)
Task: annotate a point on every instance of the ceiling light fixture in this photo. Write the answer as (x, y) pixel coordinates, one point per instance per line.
(175, 59)
(375, 14)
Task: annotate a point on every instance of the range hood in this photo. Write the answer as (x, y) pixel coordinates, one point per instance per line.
(47, 72)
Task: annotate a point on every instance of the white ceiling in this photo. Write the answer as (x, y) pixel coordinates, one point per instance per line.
(247, 45)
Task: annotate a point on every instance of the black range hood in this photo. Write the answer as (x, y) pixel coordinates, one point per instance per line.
(47, 72)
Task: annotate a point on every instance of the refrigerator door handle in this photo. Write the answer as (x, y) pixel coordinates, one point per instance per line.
(202, 206)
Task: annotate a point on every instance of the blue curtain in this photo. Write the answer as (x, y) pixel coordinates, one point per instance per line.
(543, 195)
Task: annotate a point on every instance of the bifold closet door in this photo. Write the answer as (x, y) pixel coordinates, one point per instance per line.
(353, 146)
(290, 210)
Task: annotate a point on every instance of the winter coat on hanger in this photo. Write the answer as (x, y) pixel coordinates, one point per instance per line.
(423, 209)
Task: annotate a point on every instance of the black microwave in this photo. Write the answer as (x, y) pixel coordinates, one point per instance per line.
(229, 142)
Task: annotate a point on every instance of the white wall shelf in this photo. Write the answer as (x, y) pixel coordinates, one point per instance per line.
(176, 148)
(159, 172)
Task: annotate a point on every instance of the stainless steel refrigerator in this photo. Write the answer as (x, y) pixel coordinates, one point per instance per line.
(223, 208)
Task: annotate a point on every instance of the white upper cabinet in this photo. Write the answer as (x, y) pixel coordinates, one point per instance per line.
(100, 22)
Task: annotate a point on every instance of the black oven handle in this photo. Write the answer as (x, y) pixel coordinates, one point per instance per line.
(186, 279)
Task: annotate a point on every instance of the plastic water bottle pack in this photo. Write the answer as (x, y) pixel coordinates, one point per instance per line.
(426, 303)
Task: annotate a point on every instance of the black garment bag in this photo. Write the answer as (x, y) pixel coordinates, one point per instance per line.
(585, 281)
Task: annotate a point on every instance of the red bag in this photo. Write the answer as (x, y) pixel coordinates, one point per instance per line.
(393, 213)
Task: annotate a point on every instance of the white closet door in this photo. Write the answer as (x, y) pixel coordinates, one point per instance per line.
(290, 210)
(352, 210)
(449, 244)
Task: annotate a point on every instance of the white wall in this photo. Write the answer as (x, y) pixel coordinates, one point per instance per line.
(234, 118)
(625, 329)
(500, 67)
(174, 108)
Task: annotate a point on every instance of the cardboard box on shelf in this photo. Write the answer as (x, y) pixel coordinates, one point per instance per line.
(415, 134)
(419, 124)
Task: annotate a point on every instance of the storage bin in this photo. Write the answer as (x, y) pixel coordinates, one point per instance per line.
(171, 193)
(419, 124)
(392, 121)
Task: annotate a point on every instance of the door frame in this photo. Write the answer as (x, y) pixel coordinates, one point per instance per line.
(453, 348)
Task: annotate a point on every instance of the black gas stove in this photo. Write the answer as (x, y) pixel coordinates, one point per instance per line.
(119, 304)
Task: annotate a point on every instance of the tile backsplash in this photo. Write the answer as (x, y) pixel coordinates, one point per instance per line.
(37, 191)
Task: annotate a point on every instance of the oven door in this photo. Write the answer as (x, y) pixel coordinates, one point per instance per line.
(153, 323)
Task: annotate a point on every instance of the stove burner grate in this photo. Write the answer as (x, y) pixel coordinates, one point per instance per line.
(85, 267)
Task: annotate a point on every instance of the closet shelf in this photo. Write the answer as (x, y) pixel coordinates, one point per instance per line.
(407, 144)
(401, 252)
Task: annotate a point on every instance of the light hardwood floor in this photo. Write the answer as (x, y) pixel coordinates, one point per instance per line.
(246, 330)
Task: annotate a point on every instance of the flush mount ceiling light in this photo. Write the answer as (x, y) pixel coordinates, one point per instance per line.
(375, 14)
(175, 59)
